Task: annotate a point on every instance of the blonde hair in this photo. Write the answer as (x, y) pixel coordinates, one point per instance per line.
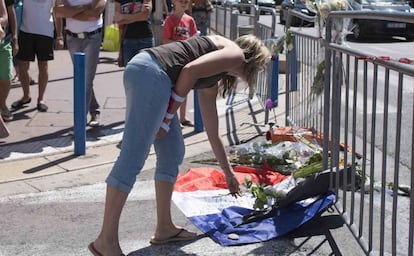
(256, 55)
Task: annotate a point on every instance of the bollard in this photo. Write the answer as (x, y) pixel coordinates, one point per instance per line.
(274, 94)
(79, 103)
(198, 122)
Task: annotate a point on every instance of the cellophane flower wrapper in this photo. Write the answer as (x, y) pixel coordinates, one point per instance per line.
(284, 157)
(323, 8)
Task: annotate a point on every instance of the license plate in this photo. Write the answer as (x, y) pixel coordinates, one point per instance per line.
(396, 25)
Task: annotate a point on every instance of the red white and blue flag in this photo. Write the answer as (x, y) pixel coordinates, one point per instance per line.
(201, 194)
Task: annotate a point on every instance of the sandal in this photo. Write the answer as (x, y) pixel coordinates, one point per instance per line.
(95, 252)
(42, 107)
(179, 237)
(6, 115)
(187, 123)
(20, 103)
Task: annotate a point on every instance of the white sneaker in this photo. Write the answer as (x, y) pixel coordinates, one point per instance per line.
(94, 122)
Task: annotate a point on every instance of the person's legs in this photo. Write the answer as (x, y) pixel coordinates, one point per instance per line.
(24, 80)
(91, 50)
(201, 19)
(170, 151)
(43, 79)
(4, 93)
(144, 115)
(44, 52)
(108, 240)
(183, 111)
(5, 77)
(25, 54)
(16, 69)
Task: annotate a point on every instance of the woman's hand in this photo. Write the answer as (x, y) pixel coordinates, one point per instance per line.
(233, 185)
(161, 133)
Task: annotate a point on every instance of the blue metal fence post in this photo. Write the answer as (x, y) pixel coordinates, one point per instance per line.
(79, 103)
(198, 122)
(275, 81)
(293, 66)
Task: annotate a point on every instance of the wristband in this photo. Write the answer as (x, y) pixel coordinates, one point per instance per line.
(176, 97)
(169, 116)
(165, 126)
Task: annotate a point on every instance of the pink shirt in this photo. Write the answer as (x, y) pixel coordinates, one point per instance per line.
(176, 28)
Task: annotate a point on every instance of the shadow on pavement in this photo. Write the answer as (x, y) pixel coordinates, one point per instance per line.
(59, 139)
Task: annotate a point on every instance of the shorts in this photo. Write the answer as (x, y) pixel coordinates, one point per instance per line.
(31, 45)
(6, 60)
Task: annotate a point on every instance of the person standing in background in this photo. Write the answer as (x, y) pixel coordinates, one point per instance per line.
(200, 10)
(179, 26)
(36, 39)
(84, 34)
(5, 67)
(134, 16)
(18, 8)
(168, 8)
(8, 47)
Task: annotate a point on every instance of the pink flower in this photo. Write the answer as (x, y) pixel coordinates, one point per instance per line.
(269, 104)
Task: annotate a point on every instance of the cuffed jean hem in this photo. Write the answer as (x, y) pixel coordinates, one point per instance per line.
(113, 182)
(165, 177)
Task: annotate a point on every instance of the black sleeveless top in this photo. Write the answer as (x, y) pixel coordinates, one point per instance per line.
(174, 56)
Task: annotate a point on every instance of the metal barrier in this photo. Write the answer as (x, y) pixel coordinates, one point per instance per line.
(365, 105)
(230, 22)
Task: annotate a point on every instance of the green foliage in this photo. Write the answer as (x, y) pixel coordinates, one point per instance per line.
(258, 192)
(319, 79)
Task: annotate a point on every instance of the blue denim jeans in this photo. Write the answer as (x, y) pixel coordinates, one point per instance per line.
(91, 47)
(131, 47)
(202, 20)
(148, 91)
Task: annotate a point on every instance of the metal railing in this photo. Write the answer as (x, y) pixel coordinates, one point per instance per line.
(365, 105)
(359, 103)
(232, 22)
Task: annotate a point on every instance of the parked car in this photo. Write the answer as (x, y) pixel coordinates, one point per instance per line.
(228, 3)
(364, 28)
(247, 9)
(298, 5)
(267, 3)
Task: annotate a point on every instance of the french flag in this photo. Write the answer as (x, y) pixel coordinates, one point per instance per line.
(201, 194)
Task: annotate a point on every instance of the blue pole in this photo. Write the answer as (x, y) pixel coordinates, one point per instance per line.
(79, 103)
(275, 81)
(293, 67)
(198, 122)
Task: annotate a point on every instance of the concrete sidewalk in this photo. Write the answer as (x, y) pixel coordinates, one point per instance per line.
(52, 201)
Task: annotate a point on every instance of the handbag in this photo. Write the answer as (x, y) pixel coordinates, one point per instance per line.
(111, 38)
